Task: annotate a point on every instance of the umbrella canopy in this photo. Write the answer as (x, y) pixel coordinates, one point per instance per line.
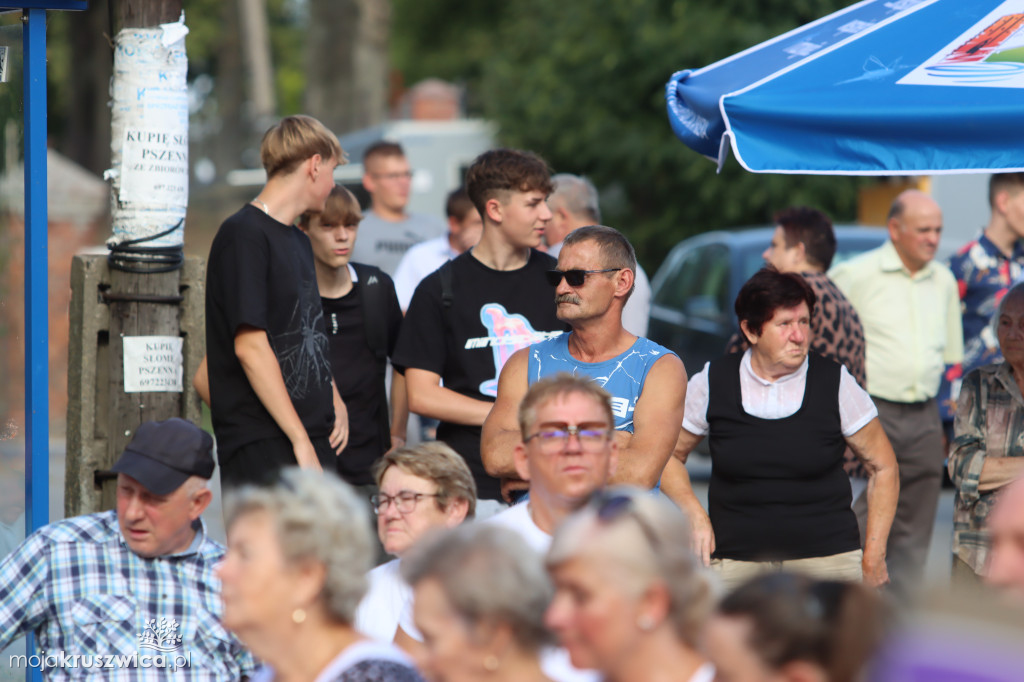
(884, 87)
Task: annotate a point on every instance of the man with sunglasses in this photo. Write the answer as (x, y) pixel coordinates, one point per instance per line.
(466, 318)
(574, 205)
(647, 382)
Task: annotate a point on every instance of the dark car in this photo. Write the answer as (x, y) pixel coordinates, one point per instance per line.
(694, 289)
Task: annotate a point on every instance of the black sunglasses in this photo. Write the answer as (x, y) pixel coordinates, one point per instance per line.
(575, 278)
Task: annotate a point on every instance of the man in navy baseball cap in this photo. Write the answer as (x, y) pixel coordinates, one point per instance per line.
(163, 455)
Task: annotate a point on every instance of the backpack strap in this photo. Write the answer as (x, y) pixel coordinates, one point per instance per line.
(447, 293)
(375, 305)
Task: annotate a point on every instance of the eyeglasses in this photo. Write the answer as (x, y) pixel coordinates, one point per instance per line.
(554, 440)
(404, 175)
(611, 506)
(405, 501)
(575, 278)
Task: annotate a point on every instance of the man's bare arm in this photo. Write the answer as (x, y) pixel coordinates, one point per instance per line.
(656, 419)
(264, 374)
(501, 428)
(872, 447)
(399, 409)
(339, 433)
(429, 398)
(201, 382)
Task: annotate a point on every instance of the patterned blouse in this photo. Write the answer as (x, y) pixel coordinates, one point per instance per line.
(989, 423)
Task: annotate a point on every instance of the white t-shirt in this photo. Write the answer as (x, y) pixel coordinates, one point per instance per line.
(518, 519)
(777, 399)
(418, 262)
(554, 661)
(387, 598)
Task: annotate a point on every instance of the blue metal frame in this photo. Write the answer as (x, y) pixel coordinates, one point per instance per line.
(37, 371)
(46, 4)
(37, 399)
(37, 333)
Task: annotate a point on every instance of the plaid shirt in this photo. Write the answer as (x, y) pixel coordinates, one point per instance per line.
(989, 423)
(84, 592)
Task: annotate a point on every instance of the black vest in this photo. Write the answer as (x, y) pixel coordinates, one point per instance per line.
(778, 490)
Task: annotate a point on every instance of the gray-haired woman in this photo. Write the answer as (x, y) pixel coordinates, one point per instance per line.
(293, 574)
(630, 595)
(480, 594)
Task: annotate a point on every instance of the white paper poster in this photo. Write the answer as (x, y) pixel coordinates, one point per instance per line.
(152, 363)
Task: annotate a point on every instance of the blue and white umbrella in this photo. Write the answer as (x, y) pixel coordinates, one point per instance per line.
(884, 87)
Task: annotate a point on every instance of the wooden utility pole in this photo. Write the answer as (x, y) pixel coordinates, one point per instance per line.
(140, 303)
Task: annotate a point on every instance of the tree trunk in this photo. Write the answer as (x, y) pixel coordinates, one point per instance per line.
(260, 71)
(87, 128)
(347, 62)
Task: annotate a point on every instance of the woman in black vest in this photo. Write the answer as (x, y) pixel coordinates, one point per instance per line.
(778, 419)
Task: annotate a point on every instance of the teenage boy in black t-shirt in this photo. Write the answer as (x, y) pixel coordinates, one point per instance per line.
(271, 393)
(470, 315)
(361, 310)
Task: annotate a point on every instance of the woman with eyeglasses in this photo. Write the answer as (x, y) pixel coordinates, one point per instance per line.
(294, 572)
(480, 594)
(792, 628)
(630, 596)
(420, 488)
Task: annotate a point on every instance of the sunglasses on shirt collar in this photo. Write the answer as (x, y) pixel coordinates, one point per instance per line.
(575, 278)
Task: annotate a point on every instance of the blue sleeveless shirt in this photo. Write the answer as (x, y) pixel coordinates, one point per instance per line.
(622, 376)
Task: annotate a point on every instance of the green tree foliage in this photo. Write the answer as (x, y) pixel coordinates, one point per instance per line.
(582, 83)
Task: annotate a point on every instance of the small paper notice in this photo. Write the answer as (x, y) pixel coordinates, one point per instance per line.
(154, 167)
(152, 364)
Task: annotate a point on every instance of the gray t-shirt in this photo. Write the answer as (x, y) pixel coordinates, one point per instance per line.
(383, 243)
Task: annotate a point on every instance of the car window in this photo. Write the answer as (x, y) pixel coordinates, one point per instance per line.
(699, 284)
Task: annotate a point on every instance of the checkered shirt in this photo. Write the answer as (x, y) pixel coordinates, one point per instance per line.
(989, 423)
(82, 591)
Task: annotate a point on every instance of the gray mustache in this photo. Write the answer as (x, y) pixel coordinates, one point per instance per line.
(567, 298)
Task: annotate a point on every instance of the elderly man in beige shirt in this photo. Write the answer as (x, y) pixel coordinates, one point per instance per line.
(910, 310)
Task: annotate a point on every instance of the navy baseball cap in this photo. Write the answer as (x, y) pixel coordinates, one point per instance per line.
(163, 455)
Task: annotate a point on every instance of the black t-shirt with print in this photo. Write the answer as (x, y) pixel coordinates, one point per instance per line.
(260, 274)
(493, 314)
(357, 376)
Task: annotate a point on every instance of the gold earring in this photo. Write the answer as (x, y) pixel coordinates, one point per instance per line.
(299, 616)
(491, 663)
